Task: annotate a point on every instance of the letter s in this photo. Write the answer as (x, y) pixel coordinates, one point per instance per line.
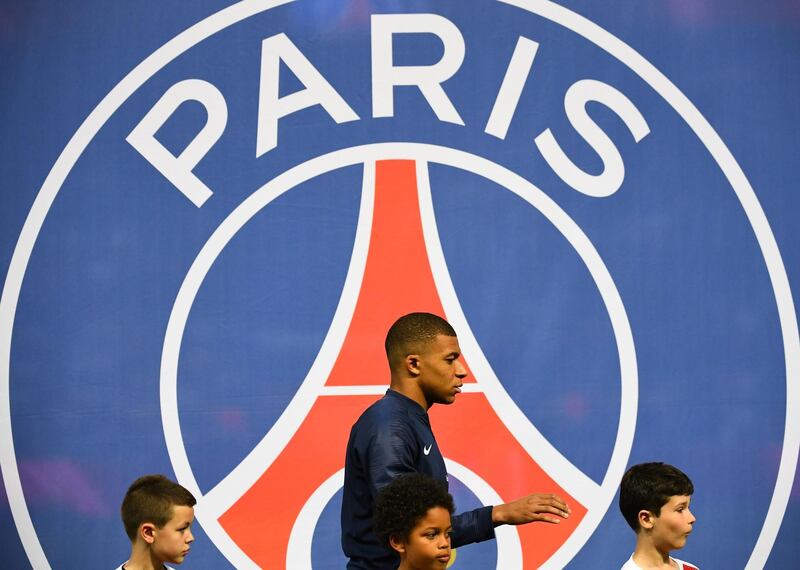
(575, 100)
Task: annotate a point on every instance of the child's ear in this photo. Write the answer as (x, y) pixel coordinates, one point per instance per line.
(397, 544)
(646, 519)
(148, 532)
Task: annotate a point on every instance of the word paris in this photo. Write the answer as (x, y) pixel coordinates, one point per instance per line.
(428, 79)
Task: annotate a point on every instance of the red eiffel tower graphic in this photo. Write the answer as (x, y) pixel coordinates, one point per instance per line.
(397, 280)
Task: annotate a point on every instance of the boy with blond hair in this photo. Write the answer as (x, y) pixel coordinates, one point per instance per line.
(157, 514)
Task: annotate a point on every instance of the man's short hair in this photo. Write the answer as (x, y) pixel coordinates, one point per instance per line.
(401, 504)
(648, 487)
(409, 331)
(151, 498)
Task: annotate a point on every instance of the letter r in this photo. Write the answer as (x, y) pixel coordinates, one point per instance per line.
(429, 79)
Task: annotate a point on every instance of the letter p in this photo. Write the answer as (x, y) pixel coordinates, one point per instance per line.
(178, 169)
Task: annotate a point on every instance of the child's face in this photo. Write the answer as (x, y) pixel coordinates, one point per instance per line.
(428, 544)
(673, 525)
(171, 542)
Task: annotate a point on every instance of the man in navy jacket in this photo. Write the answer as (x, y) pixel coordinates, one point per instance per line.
(393, 436)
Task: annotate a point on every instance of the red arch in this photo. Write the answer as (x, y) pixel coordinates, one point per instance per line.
(397, 280)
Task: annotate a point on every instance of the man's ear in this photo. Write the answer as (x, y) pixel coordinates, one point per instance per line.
(646, 519)
(397, 544)
(412, 364)
(148, 532)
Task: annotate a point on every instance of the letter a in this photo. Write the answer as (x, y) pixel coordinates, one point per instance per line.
(317, 91)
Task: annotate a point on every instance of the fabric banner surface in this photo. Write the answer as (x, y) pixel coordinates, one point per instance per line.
(212, 211)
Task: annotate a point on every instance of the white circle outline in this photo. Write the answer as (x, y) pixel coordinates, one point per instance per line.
(544, 8)
(291, 178)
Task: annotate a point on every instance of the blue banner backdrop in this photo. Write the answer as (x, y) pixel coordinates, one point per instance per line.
(608, 211)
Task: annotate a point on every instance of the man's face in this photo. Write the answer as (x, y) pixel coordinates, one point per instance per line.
(171, 542)
(428, 544)
(673, 525)
(440, 370)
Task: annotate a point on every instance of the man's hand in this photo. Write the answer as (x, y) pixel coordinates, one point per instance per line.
(544, 508)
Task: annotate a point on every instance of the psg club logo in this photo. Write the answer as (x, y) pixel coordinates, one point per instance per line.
(275, 190)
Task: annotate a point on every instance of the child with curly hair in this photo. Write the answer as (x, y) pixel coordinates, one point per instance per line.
(412, 515)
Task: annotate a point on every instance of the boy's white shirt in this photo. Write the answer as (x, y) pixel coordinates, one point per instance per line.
(631, 565)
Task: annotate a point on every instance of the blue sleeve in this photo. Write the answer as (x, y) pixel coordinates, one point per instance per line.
(472, 526)
(392, 452)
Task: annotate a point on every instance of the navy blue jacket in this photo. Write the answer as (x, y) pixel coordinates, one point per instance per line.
(393, 436)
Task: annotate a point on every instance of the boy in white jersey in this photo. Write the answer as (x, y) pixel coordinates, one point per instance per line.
(654, 499)
(157, 514)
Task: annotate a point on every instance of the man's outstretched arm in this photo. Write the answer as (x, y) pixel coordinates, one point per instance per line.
(537, 507)
(478, 525)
